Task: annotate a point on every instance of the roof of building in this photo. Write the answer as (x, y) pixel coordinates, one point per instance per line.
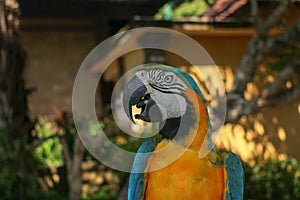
(109, 9)
(222, 9)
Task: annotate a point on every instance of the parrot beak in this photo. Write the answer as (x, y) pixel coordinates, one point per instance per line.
(136, 94)
(134, 91)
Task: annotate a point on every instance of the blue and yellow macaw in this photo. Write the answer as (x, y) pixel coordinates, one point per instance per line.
(171, 97)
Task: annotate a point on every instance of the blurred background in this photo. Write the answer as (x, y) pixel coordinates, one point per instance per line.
(255, 44)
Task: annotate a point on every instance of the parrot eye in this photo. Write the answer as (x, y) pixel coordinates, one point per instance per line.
(168, 78)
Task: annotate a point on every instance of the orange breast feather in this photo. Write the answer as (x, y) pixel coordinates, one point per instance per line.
(187, 178)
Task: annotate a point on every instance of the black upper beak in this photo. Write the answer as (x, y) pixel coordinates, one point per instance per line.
(133, 94)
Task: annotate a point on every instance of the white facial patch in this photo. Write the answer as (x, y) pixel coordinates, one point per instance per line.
(166, 89)
(170, 105)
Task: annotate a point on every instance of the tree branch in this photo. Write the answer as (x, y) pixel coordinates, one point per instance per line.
(275, 94)
(243, 107)
(75, 172)
(238, 106)
(66, 152)
(255, 13)
(287, 37)
(256, 50)
(288, 97)
(288, 73)
(274, 17)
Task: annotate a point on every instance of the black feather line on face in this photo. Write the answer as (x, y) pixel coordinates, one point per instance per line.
(173, 84)
(165, 91)
(169, 128)
(163, 88)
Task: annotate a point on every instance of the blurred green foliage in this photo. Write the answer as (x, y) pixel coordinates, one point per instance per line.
(97, 128)
(273, 179)
(268, 179)
(49, 153)
(192, 8)
(15, 174)
(104, 194)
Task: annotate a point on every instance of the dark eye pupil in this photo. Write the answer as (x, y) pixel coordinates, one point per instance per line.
(168, 78)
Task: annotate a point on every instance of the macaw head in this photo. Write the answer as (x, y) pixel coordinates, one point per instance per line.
(166, 95)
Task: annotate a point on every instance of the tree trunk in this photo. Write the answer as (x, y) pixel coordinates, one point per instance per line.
(73, 165)
(13, 100)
